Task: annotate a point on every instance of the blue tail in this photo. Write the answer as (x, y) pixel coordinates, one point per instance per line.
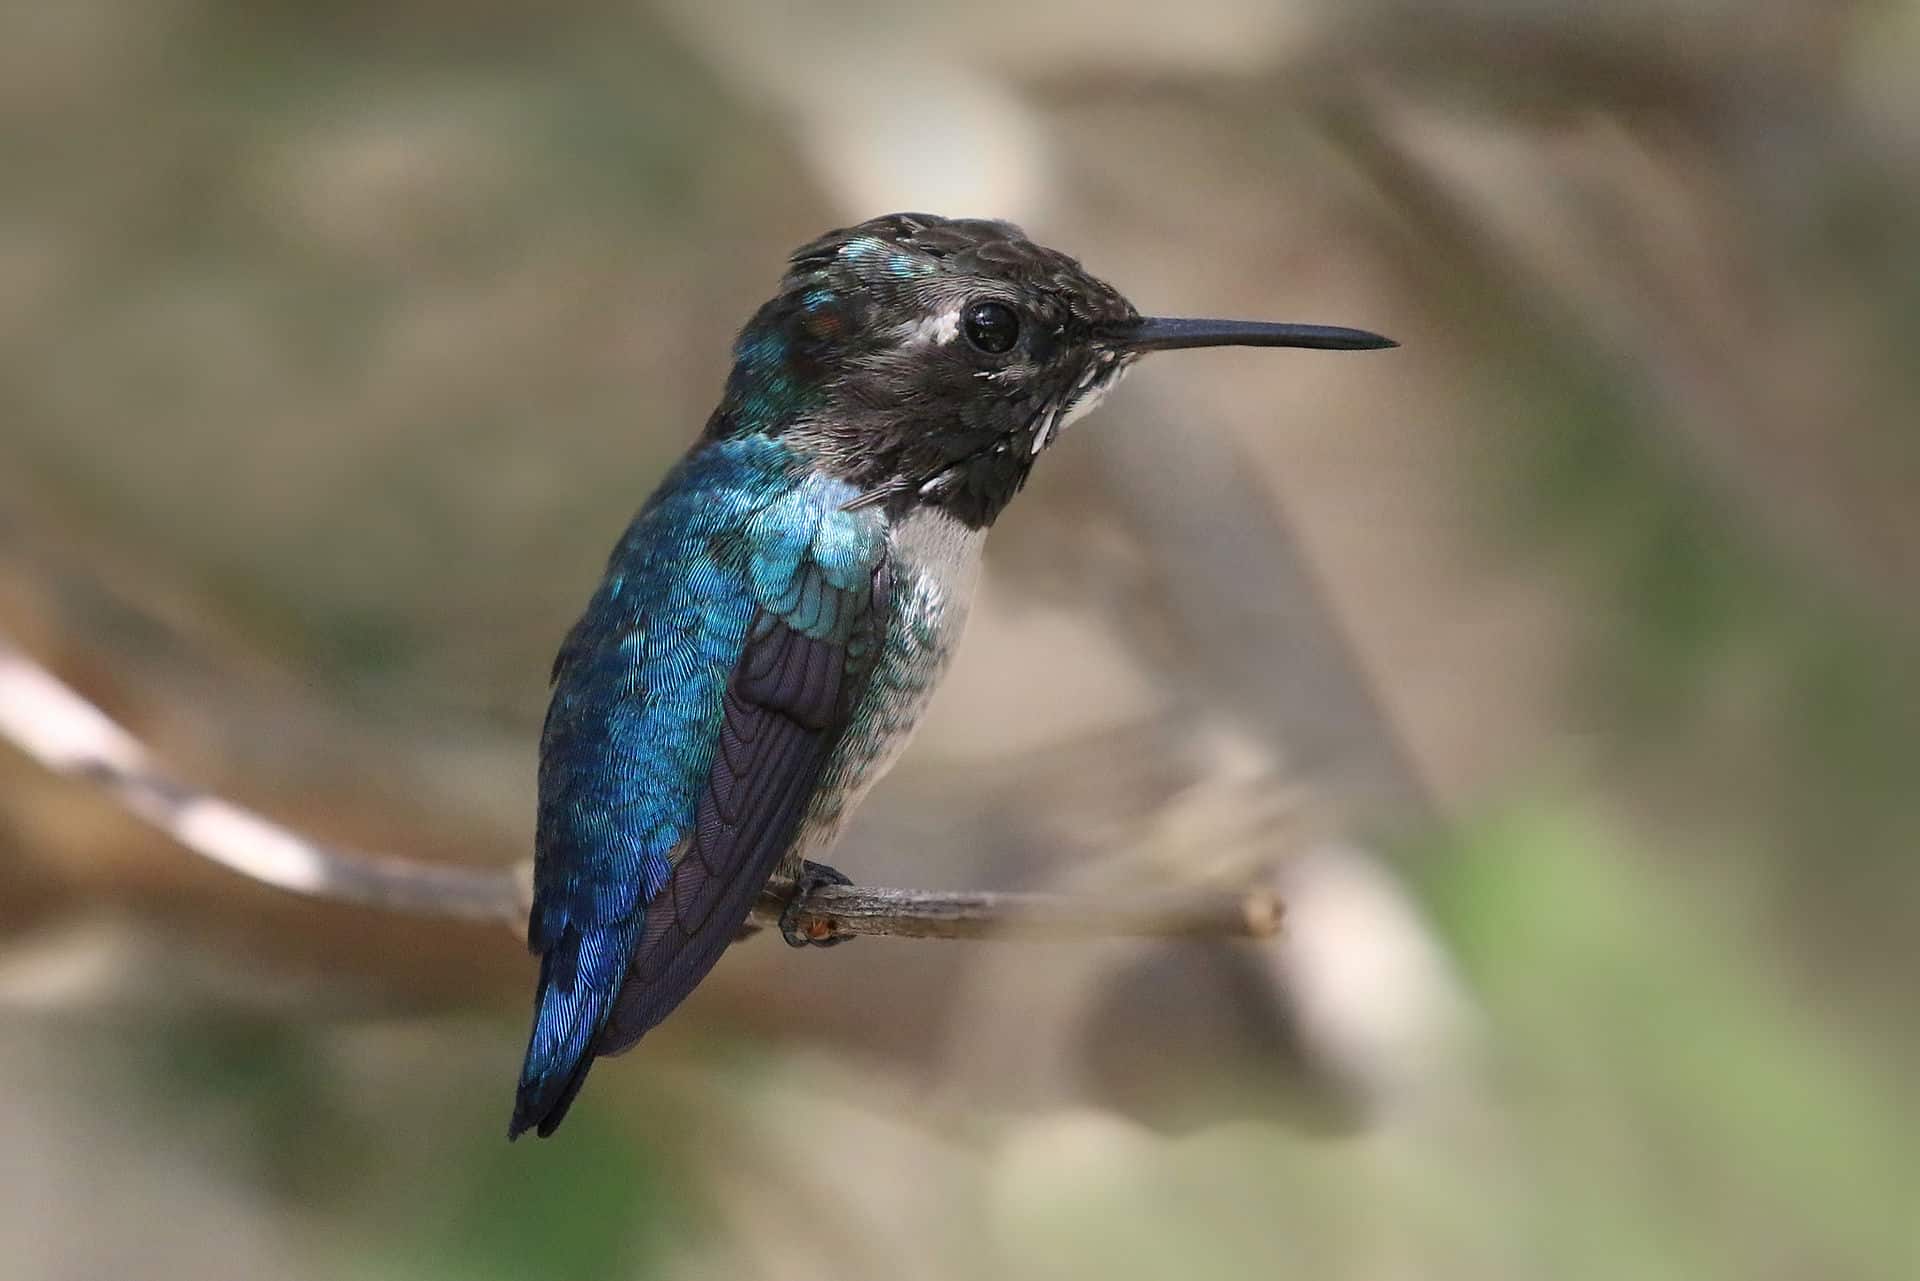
(580, 975)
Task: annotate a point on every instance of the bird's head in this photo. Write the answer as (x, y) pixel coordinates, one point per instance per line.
(930, 360)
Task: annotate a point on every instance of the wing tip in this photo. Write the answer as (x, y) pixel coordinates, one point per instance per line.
(541, 1107)
(580, 978)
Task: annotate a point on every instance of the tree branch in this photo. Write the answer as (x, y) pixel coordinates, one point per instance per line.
(1174, 912)
(70, 736)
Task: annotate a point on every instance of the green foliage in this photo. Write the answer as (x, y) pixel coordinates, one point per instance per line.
(1686, 1107)
(598, 1206)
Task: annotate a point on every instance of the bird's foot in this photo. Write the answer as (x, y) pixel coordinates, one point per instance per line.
(816, 933)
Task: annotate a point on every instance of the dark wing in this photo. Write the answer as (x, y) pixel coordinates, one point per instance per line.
(785, 708)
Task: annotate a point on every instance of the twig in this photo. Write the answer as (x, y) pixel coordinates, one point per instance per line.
(1175, 912)
(69, 735)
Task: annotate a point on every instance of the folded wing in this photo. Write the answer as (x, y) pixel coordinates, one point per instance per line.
(689, 728)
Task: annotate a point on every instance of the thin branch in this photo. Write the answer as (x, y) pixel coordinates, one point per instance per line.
(69, 735)
(1174, 912)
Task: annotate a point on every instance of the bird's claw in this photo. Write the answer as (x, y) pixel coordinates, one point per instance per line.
(818, 933)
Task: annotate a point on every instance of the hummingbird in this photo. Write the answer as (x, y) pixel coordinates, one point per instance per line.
(771, 625)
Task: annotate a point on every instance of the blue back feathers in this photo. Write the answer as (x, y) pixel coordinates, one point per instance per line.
(738, 536)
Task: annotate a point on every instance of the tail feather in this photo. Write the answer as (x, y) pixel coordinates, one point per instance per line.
(579, 979)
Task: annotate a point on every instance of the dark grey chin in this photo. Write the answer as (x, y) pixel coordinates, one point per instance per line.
(1095, 382)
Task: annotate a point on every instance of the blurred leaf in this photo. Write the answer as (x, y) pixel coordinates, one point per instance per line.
(1682, 1090)
(589, 1204)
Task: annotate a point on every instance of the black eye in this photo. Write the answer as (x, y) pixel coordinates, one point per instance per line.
(992, 327)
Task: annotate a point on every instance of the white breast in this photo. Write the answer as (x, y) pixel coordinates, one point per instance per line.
(935, 562)
(942, 558)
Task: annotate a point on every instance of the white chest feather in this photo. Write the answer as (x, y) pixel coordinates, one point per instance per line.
(935, 562)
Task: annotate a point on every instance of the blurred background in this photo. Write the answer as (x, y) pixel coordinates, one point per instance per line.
(1560, 668)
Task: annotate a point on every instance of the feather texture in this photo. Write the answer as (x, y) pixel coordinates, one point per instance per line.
(695, 705)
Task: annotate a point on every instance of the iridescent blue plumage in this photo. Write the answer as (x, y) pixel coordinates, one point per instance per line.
(740, 547)
(771, 625)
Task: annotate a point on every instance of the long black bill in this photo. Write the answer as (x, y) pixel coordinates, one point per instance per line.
(1166, 333)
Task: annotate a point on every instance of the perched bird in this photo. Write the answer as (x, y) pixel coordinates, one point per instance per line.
(773, 622)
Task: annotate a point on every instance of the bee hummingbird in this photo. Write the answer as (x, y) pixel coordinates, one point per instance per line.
(771, 625)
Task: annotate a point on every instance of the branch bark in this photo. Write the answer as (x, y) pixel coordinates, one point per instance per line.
(835, 911)
(70, 736)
